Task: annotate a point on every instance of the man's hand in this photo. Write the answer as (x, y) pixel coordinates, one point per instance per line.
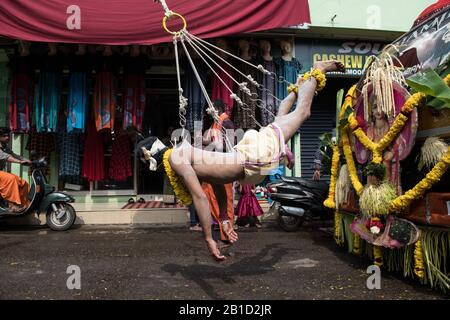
(214, 250)
(316, 176)
(26, 161)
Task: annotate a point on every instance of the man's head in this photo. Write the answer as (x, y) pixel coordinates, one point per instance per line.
(5, 134)
(220, 106)
(151, 151)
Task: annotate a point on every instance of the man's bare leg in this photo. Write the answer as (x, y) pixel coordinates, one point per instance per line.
(221, 197)
(289, 123)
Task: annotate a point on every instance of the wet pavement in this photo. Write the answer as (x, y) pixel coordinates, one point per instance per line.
(171, 262)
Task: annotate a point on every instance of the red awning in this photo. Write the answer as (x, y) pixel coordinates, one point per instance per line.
(120, 22)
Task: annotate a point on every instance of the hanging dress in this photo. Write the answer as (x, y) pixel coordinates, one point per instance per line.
(120, 167)
(289, 70)
(134, 92)
(269, 94)
(78, 98)
(105, 94)
(219, 91)
(21, 98)
(245, 116)
(47, 100)
(93, 156)
(194, 94)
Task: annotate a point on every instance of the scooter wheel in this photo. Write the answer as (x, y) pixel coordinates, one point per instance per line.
(290, 223)
(62, 218)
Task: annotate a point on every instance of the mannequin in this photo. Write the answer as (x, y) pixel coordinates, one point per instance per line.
(245, 118)
(288, 67)
(268, 100)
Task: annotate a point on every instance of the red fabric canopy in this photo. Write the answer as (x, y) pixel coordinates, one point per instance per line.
(120, 22)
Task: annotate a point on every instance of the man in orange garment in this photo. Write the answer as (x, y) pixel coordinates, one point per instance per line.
(215, 136)
(12, 188)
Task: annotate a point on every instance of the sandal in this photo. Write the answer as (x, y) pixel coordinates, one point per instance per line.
(141, 200)
(131, 200)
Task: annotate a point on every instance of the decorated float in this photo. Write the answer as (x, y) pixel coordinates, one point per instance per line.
(390, 177)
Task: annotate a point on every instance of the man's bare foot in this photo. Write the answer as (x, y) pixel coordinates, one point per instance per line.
(214, 250)
(229, 232)
(329, 66)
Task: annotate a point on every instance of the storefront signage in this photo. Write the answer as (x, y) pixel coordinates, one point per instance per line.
(353, 54)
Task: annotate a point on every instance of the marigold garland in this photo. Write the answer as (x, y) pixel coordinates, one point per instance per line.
(402, 202)
(397, 126)
(330, 203)
(356, 244)
(292, 88)
(176, 181)
(337, 228)
(378, 256)
(350, 162)
(319, 76)
(419, 268)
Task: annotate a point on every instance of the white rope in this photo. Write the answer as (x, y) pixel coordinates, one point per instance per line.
(167, 11)
(183, 101)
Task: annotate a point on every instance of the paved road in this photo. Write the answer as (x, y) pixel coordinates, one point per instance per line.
(172, 263)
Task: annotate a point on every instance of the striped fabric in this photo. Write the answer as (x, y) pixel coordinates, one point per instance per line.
(152, 205)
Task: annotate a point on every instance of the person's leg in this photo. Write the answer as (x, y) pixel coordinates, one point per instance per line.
(10, 187)
(290, 123)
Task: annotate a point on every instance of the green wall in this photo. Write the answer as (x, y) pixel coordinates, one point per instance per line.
(397, 15)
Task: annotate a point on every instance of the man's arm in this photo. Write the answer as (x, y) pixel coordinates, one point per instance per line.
(201, 204)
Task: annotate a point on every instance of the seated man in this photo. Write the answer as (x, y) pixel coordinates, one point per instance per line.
(12, 188)
(252, 158)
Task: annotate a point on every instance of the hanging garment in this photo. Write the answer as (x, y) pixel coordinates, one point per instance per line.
(70, 147)
(194, 94)
(104, 101)
(269, 102)
(120, 167)
(43, 143)
(20, 103)
(47, 99)
(220, 92)
(245, 116)
(93, 156)
(248, 205)
(289, 71)
(134, 101)
(77, 101)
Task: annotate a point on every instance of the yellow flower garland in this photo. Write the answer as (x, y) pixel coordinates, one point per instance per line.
(357, 185)
(176, 181)
(402, 202)
(419, 268)
(356, 244)
(337, 228)
(319, 76)
(292, 88)
(330, 203)
(399, 122)
(378, 256)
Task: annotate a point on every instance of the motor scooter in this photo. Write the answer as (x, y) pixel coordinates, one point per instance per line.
(60, 215)
(296, 199)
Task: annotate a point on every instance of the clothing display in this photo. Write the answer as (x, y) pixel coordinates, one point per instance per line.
(220, 92)
(20, 103)
(93, 167)
(43, 143)
(104, 101)
(77, 101)
(120, 166)
(47, 100)
(134, 92)
(269, 94)
(192, 91)
(70, 149)
(245, 116)
(289, 70)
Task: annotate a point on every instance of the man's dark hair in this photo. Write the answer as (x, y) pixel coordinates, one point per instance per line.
(147, 143)
(4, 130)
(219, 105)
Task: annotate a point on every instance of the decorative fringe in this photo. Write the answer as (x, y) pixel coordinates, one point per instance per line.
(418, 260)
(375, 200)
(431, 152)
(343, 185)
(338, 235)
(357, 245)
